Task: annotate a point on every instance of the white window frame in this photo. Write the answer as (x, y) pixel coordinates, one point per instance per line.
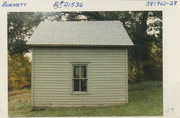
(80, 92)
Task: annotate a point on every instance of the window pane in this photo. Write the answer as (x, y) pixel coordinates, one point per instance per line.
(83, 72)
(76, 71)
(83, 85)
(76, 85)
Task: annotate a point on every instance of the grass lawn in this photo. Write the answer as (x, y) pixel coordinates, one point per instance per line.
(145, 99)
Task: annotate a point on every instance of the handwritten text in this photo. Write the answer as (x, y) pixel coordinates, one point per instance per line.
(60, 4)
(161, 3)
(10, 4)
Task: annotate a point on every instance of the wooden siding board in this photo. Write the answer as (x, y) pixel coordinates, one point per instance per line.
(56, 103)
(107, 76)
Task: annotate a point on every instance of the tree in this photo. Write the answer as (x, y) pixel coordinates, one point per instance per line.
(20, 26)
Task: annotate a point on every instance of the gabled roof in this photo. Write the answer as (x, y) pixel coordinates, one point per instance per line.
(80, 33)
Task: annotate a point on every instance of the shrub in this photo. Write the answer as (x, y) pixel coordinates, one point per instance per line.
(19, 72)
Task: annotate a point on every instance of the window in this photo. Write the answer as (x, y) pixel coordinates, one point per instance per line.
(80, 78)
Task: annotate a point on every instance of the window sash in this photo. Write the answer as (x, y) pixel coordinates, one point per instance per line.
(80, 75)
(80, 85)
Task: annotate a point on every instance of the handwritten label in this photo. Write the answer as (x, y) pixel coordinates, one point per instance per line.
(10, 4)
(169, 110)
(161, 3)
(60, 4)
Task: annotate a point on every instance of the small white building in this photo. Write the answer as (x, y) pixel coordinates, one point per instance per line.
(77, 63)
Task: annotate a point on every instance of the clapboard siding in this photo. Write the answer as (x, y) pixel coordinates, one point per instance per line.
(52, 76)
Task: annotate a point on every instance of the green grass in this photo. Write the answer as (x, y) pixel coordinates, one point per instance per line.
(145, 99)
